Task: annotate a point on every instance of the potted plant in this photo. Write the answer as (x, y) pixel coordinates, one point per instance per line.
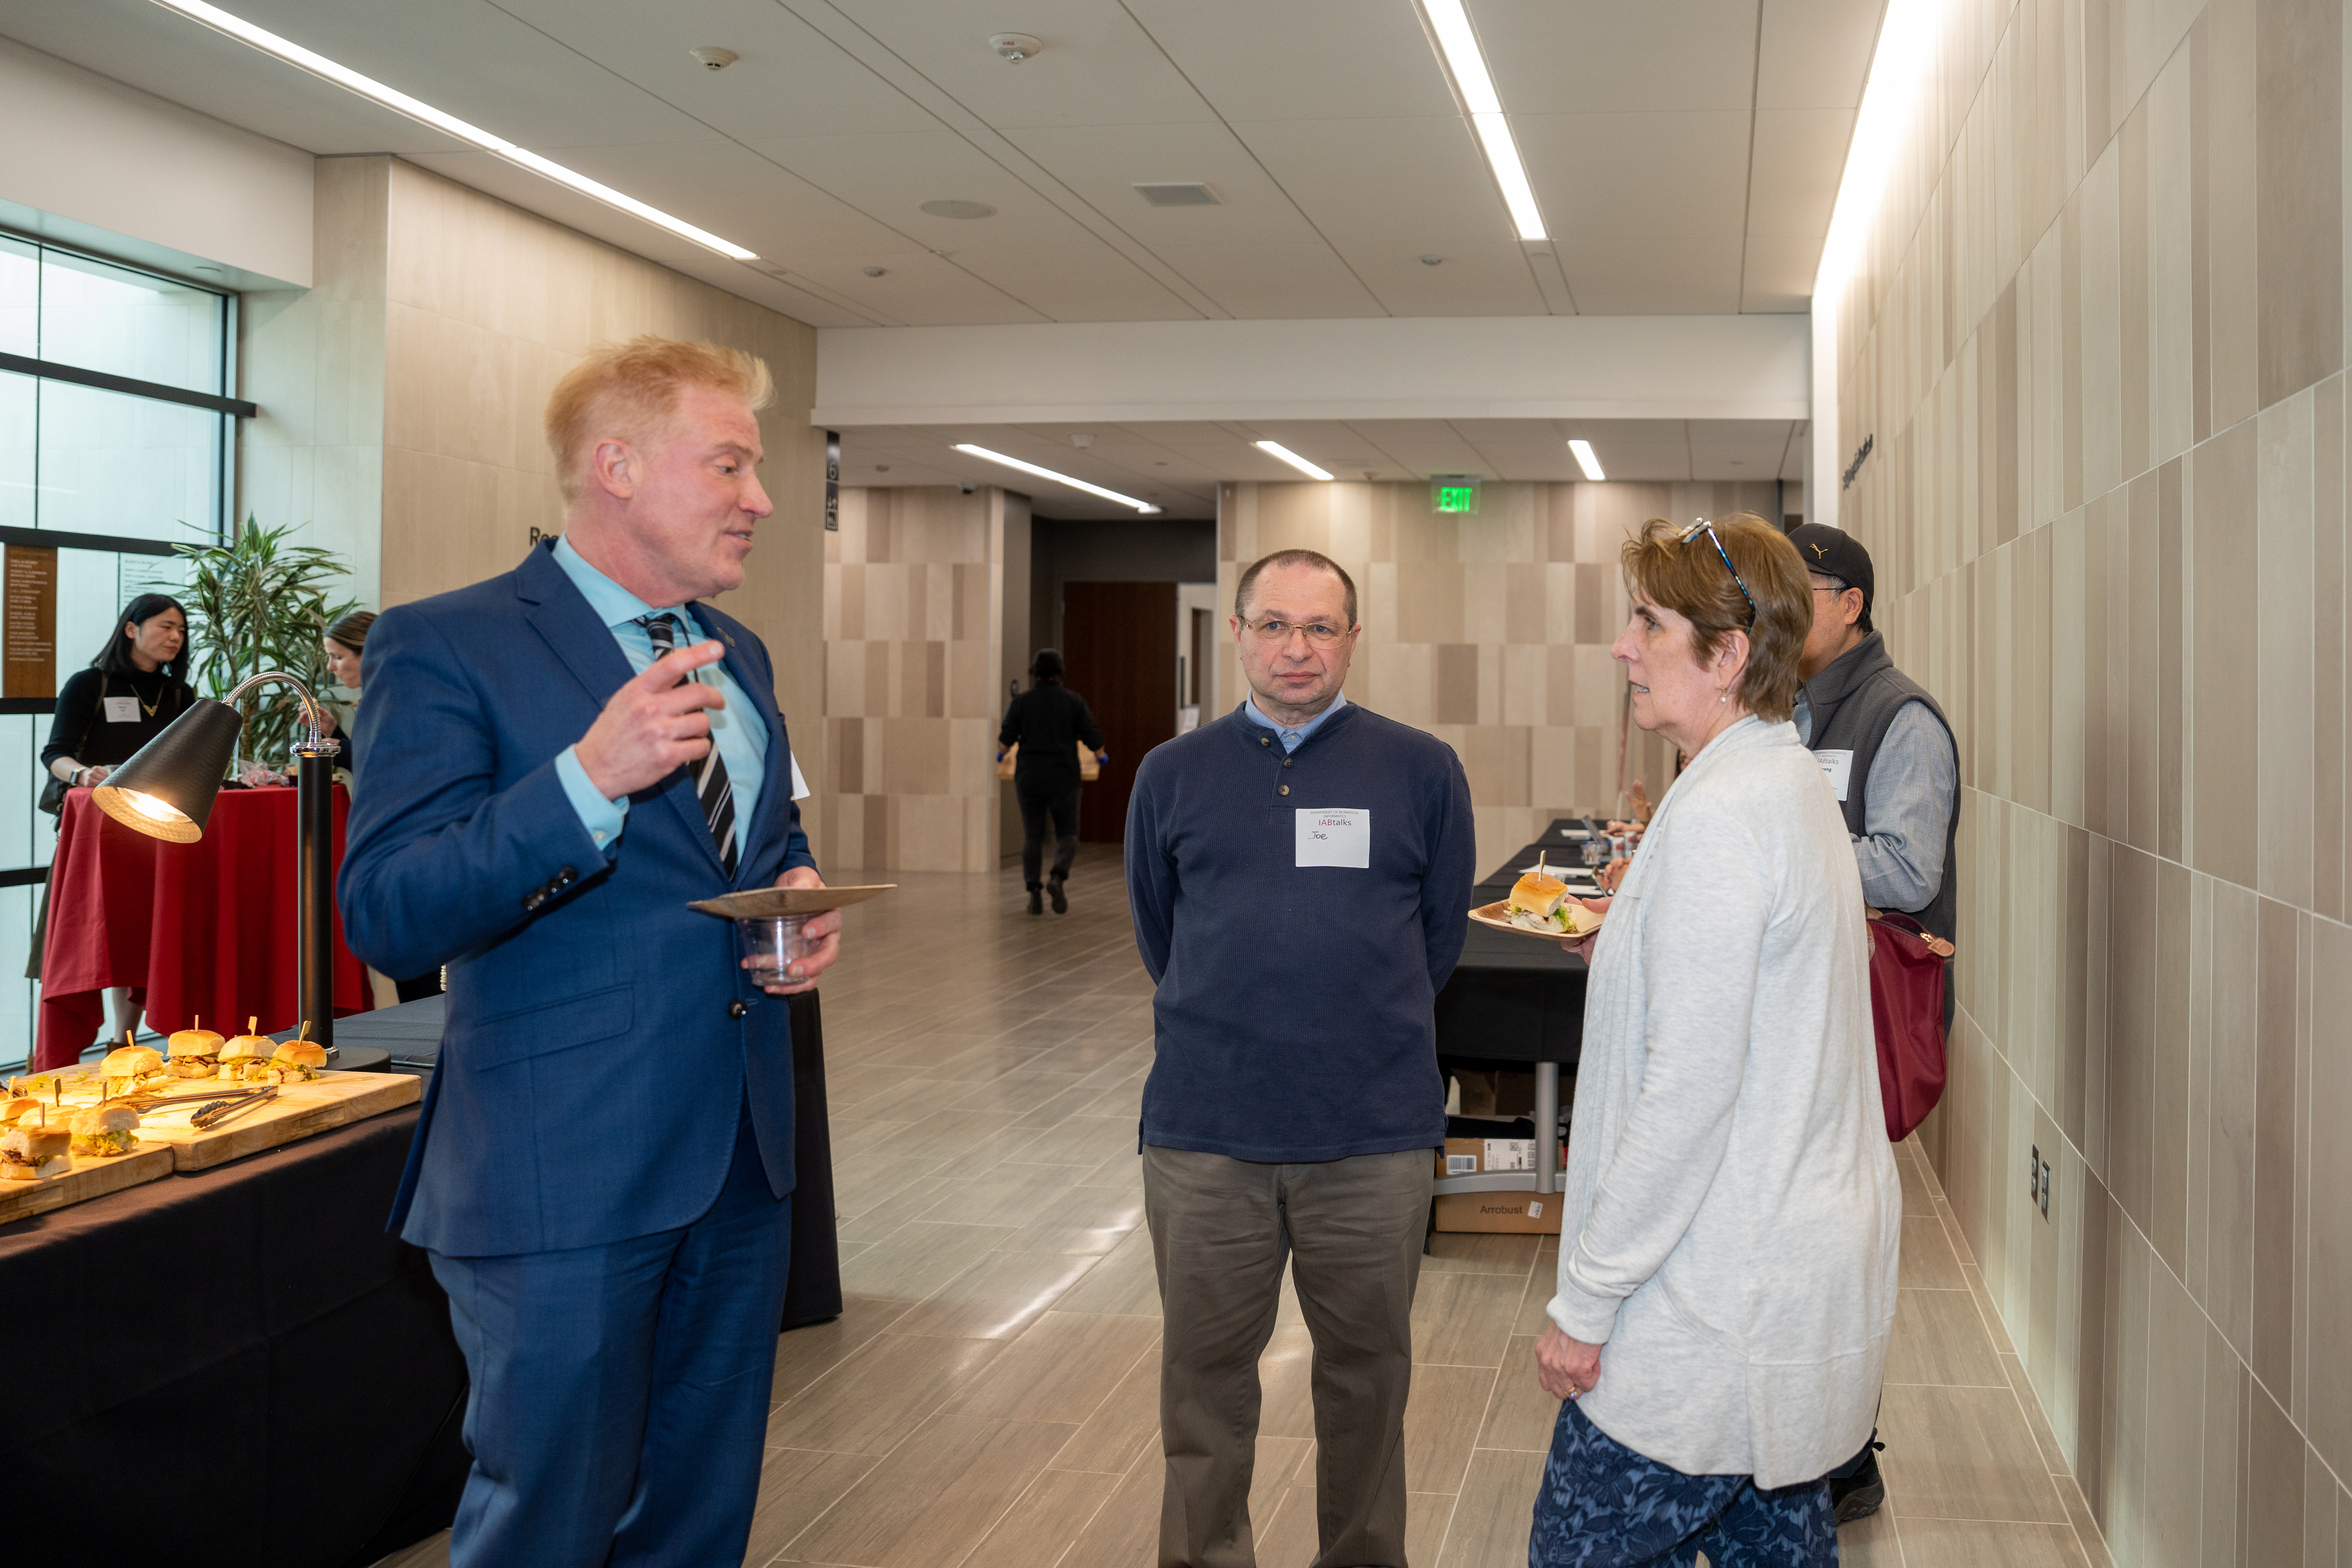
(255, 603)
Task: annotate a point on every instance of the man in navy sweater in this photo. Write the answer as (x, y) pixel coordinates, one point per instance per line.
(1300, 875)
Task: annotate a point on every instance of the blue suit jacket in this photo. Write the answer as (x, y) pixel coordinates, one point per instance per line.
(601, 1036)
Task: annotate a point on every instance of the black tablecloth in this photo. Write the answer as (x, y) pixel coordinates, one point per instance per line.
(1513, 998)
(236, 1365)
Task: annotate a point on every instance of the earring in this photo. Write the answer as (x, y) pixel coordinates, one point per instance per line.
(1723, 696)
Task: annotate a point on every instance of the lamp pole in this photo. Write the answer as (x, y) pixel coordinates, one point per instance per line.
(314, 874)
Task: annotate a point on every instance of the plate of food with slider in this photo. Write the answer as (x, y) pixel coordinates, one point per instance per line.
(1540, 904)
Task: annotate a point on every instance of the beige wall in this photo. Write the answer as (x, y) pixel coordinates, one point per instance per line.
(914, 650)
(1491, 631)
(402, 397)
(2099, 341)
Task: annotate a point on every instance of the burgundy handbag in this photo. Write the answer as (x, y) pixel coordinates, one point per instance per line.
(1907, 976)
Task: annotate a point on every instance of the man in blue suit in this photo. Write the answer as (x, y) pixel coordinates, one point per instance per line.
(558, 759)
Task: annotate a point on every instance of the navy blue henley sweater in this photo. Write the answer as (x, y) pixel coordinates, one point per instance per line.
(1295, 1015)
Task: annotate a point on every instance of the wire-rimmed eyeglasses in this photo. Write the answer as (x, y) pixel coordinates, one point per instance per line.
(1703, 526)
(1322, 634)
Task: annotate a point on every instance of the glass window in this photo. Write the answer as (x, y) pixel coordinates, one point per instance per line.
(105, 465)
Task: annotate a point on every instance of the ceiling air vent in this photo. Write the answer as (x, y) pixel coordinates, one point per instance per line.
(1180, 193)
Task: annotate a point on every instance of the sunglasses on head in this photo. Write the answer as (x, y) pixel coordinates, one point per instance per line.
(1703, 526)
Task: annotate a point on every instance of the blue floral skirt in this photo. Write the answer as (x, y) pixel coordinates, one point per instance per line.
(1604, 1506)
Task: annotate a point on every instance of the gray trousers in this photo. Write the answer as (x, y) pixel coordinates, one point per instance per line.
(1221, 1231)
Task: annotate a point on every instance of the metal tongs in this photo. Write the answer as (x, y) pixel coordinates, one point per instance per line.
(222, 1110)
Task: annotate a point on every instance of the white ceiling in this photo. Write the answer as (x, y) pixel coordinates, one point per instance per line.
(1177, 465)
(1686, 152)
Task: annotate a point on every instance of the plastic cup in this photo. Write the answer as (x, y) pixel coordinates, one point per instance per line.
(771, 944)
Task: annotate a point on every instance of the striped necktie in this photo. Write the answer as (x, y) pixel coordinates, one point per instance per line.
(711, 786)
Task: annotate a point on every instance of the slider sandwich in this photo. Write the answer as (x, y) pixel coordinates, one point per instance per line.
(195, 1052)
(15, 1108)
(246, 1059)
(1542, 902)
(297, 1061)
(128, 1068)
(30, 1152)
(105, 1131)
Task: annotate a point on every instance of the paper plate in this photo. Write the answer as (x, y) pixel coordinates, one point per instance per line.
(1495, 915)
(765, 903)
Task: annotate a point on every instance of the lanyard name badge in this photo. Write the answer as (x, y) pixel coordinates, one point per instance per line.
(1335, 836)
(122, 710)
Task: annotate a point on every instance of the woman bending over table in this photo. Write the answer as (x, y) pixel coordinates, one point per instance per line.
(1727, 1258)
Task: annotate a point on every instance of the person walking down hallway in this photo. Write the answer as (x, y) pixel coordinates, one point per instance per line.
(1299, 873)
(1047, 721)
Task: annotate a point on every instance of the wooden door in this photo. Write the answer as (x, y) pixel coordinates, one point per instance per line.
(1120, 642)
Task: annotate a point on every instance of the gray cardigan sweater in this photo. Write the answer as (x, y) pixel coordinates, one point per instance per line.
(1731, 1216)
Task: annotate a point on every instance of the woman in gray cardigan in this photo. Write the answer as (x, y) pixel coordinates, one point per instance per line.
(1731, 1213)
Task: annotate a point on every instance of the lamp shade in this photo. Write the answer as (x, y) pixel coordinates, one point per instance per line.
(167, 788)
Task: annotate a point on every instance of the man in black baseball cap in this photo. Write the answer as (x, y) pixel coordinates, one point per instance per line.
(1889, 755)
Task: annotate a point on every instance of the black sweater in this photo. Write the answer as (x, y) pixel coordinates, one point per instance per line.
(82, 730)
(1295, 1015)
(1048, 720)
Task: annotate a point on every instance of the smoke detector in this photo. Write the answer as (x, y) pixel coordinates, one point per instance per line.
(713, 57)
(1431, 260)
(874, 271)
(1014, 46)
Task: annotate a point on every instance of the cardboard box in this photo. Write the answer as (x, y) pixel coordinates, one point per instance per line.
(1524, 1213)
(1506, 1091)
(1533, 1214)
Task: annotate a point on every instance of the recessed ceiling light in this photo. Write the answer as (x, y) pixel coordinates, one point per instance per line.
(881, 467)
(1586, 461)
(950, 207)
(874, 271)
(1431, 260)
(970, 450)
(1179, 193)
(1458, 41)
(1276, 449)
(319, 66)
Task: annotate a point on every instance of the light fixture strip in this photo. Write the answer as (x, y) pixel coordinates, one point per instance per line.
(1458, 42)
(424, 114)
(1907, 35)
(1276, 449)
(1144, 507)
(1587, 461)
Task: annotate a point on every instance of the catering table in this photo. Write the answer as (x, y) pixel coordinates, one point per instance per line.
(1518, 1000)
(234, 1365)
(203, 928)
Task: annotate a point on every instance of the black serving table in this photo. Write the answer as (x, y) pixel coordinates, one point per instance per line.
(1517, 1000)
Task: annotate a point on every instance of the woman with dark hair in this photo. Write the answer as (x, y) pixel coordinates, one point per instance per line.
(345, 646)
(136, 686)
(1047, 721)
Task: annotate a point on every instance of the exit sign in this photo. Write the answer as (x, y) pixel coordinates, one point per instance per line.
(1453, 492)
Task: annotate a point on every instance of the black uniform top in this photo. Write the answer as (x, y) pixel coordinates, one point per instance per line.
(1048, 720)
(83, 731)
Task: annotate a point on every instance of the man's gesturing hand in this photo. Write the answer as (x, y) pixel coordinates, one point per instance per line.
(653, 725)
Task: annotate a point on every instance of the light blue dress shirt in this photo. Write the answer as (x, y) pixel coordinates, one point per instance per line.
(1292, 738)
(742, 737)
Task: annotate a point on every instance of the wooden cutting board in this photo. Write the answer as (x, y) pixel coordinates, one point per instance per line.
(90, 1178)
(333, 1100)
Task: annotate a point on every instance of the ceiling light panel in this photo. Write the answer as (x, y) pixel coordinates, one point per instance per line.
(1587, 461)
(417, 108)
(1276, 449)
(1143, 506)
(1458, 42)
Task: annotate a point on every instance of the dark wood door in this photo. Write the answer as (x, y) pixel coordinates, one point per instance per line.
(1120, 642)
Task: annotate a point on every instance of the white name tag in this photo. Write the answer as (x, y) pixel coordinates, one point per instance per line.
(1335, 836)
(122, 710)
(1838, 768)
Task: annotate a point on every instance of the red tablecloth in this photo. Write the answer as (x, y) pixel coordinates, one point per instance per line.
(203, 928)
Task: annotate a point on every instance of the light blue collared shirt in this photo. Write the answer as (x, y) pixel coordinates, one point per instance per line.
(741, 738)
(1291, 739)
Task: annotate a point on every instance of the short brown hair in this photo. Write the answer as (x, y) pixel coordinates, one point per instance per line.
(1293, 558)
(1669, 566)
(631, 390)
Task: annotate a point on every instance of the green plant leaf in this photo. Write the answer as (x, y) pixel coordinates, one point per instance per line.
(257, 602)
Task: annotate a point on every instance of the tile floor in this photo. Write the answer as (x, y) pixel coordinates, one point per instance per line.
(988, 1399)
